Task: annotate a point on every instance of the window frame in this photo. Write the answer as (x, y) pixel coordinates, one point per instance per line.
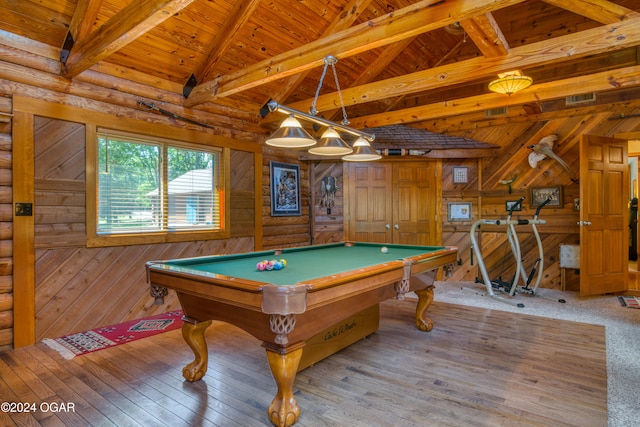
(94, 239)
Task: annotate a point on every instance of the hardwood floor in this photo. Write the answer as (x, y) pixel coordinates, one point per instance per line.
(477, 367)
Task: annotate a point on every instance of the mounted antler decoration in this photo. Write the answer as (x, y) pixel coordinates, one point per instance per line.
(544, 149)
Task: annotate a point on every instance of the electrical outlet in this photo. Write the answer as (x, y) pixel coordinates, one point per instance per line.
(24, 209)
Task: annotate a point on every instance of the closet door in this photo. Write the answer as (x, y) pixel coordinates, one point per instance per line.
(368, 202)
(393, 202)
(416, 208)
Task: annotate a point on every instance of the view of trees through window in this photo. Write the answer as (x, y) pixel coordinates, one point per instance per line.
(133, 196)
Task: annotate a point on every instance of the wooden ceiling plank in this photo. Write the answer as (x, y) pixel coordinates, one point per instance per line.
(486, 34)
(84, 18)
(407, 22)
(240, 14)
(342, 21)
(602, 11)
(588, 42)
(134, 20)
(598, 82)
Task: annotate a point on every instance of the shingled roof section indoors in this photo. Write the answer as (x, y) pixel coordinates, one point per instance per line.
(410, 138)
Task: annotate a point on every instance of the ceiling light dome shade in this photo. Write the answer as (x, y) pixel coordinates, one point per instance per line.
(362, 152)
(330, 144)
(510, 84)
(290, 134)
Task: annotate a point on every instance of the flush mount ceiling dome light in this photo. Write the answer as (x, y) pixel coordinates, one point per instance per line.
(510, 83)
(290, 134)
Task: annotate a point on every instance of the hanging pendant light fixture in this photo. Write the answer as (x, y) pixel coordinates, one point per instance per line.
(330, 144)
(510, 83)
(362, 152)
(290, 135)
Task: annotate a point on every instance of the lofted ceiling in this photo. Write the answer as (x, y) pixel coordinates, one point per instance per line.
(425, 64)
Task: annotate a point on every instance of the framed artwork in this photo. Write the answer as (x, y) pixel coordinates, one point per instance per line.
(459, 211)
(285, 189)
(460, 175)
(510, 205)
(540, 194)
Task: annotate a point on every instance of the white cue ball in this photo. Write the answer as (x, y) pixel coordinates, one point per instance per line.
(384, 250)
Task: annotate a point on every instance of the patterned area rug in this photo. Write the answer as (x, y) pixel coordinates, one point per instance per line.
(629, 301)
(81, 343)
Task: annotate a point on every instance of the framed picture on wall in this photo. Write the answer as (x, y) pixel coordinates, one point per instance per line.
(540, 194)
(285, 189)
(513, 205)
(460, 175)
(459, 211)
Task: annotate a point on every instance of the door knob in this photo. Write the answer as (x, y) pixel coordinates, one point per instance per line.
(396, 226)
(387, 226)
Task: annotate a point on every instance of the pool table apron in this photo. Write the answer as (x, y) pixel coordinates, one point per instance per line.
(285, 335)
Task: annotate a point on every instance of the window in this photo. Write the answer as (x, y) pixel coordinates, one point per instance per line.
(149, 186)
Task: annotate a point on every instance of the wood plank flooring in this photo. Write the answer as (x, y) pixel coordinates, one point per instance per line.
(477, 367)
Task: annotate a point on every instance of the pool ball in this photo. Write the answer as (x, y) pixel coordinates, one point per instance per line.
(384, 250)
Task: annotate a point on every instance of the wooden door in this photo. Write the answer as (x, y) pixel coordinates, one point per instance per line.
(604, 216)
(416, 203)
(368, 202)
(393, 202)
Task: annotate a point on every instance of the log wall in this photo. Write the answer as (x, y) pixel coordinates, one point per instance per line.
(6, 225)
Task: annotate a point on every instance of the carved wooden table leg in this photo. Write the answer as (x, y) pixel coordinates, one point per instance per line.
(425, 298)
(193, 334)
(284, 410)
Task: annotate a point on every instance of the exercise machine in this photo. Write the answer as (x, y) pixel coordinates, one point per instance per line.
(511, 288)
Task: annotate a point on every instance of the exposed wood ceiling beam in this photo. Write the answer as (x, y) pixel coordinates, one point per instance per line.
(410, 21)
(343, 21)
(240, 14)
(602, 11)
(477, 120)
(83, 19)
(486, 35)
(598, 82)
(125, 26)
(589, 42)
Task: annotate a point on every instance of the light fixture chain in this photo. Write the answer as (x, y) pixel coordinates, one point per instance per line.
(345, 120)
(313, 111)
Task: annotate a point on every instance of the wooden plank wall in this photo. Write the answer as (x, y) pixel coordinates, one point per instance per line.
(327, 211)
(284, 231)
(78, 288)
(488, 196)
(6, 226)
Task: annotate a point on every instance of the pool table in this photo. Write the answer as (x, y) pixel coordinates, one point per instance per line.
(320, 286)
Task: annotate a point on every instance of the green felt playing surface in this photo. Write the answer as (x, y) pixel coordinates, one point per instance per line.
(303, 264)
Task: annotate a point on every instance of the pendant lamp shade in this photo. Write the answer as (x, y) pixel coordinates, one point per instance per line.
(362, 152)
(510, 84)
(330, 144)
(291, 134)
